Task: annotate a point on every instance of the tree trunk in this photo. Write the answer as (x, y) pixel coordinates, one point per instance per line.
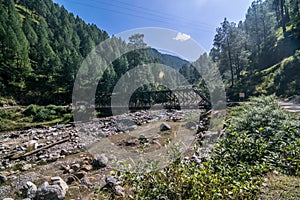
(282, 16)
(263, 22)
(230, 61)
(238, 67)
(297, 8)
(256, 29)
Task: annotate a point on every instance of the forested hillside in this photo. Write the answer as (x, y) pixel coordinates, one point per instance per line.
(53, 149)
(42, 46)
(261, 54)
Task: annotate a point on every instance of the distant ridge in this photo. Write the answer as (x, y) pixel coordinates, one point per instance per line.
(166, 59)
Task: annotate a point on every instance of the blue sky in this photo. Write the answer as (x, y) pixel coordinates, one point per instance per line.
(195, 18)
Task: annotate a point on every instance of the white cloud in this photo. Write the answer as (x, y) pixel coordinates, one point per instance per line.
(182, 37)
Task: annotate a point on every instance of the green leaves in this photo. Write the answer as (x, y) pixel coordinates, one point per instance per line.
(260, 132)
(260, 137)
(43, 114)
(41, 49)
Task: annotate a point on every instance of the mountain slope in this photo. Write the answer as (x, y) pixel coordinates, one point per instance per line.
(248, 53)
(282, 78)
(166, 59)
(42, 46)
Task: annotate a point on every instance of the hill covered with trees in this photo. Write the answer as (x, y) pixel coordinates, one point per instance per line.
(260, 55)
(42, 46)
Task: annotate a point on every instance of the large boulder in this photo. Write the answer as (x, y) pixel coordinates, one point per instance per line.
(3, 178)
(60, 182)
(191, 125)
(165, 127)
(31, 189)
(111, 181)
(119, 191)
(56, 190)
(47, 191)
(100, 161)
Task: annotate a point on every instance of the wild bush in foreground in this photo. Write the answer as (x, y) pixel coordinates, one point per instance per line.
(260, 137)
(260, 132)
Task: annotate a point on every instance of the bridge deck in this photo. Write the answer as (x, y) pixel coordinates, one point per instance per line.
(176, 99)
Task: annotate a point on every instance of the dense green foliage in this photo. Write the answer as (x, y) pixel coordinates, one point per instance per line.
(260, 137)
(41, 49)
(262, 134)
(285, 73)
(33, 116)
(42, 114)
(245, 52)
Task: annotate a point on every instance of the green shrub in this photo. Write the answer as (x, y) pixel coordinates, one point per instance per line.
(260, 137)
(7, 100)
(43, 114)
(57, 109)
(261, 132)
(31, 110)
(5, 114)
(68, 117)
(3, 125)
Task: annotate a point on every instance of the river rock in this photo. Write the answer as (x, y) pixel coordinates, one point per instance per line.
(111, 181)
(165, 127)
(100, 161)
(3, 178)
(75, 167)
(119, 190)
(31, 189)
(64, 152)
(191, 125)
(59, 181)
(47, 191)
(86, 167)
(26, 167)
(143, 138)
(83, 130)
(56, 191)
